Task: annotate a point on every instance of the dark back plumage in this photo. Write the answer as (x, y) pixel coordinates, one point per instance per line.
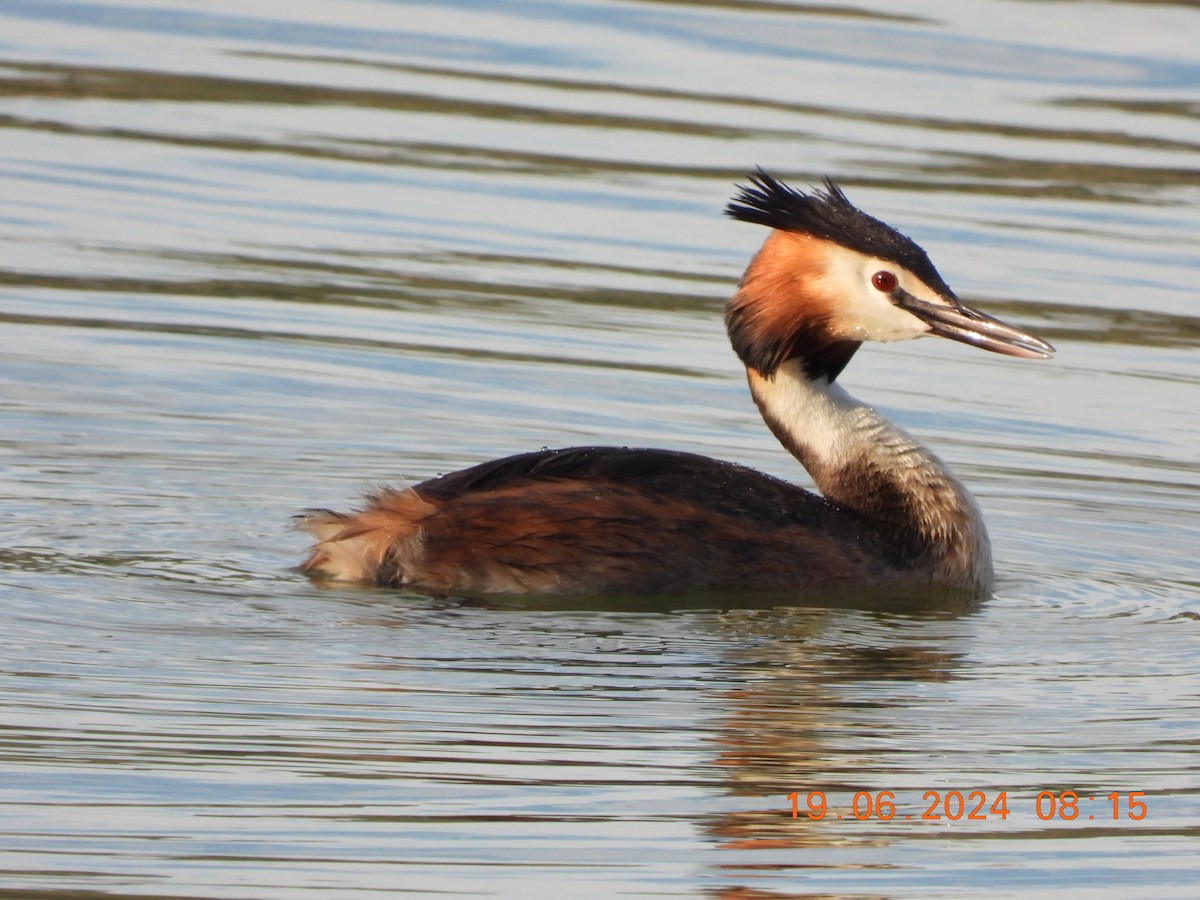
(723, 487)
(830, 215)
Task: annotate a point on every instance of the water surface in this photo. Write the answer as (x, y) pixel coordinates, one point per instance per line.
(256, 257)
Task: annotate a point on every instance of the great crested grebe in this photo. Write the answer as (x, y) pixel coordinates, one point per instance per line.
(590, 520)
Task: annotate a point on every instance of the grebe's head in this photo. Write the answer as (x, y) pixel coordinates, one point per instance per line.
(830, 277)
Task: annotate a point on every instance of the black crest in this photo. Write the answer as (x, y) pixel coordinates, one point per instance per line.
(829, 215)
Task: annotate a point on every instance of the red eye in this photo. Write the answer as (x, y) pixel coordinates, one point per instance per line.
(884, 281)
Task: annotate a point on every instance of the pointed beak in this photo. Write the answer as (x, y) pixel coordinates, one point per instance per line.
(960, 322)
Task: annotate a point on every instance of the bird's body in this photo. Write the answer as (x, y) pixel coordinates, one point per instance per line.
(618, 520)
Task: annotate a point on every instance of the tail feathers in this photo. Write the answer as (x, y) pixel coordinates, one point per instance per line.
(379, 544)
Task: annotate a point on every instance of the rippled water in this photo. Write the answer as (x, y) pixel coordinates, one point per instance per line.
(258, 256)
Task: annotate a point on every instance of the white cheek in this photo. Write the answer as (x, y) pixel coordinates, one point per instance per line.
(882, 321)
(862, 312)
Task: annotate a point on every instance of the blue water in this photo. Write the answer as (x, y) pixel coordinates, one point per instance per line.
(258, 257)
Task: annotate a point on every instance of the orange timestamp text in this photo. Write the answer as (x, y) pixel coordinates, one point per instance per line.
(972, 806)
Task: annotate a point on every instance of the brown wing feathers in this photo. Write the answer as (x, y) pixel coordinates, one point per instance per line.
(576, 520)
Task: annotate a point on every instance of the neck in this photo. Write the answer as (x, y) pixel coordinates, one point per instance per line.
(862, 462)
